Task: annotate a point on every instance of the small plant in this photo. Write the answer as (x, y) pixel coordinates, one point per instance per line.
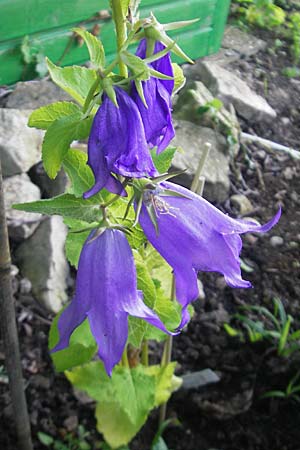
(292, 390)
(273, 326)
(33, 58)
(262, 13)
(294, 26)
(71, 441)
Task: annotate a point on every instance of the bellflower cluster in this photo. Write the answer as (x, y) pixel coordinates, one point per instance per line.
(194, 236)
(106, 292)
(189, 233)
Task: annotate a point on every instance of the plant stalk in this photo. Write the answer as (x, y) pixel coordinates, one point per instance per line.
(10, 335)
(120, 24)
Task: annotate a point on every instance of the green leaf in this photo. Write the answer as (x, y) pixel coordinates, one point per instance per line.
(95, 47)
(73, 246)
(66, 205)
(163, 161)
(124, 400)
(45, 439)
(80, 174)
(124, 6)
(43, 117)
(75, 80)
(159, 445)
(166, 382)
(81, 349)
(179, 78)
(138, 328)
(58, 138)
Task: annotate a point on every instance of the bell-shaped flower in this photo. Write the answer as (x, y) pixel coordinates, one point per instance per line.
(157, 117)
(106, 293)
(117, 144)
(192, 235)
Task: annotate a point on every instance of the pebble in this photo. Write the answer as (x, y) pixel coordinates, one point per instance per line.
(25, 286)
(285, 120)
(288, 173)
(276, 241)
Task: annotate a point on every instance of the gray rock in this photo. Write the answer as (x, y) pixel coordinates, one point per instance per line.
(199, 379)
(49, 187)
(276, 241)
(19, 189)
(192, 138)
(20, 146)
(242, 203)
(34, 94)
(42, 260)
(195, 95)
(244, 44)
(232, 90)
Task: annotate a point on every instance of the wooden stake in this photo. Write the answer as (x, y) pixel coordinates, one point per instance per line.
(10, 336)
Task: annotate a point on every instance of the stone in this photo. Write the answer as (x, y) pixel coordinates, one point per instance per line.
(194, 96)
(242, 203)
(232, 90)
(49, 188)
(42, 260)
(276, 241)
(20, 146)
(20, 189)
(245, 44)
(192, 138)
(199, 379)
(34, 94)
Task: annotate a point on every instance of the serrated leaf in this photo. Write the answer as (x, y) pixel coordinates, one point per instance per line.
(137, 330)
(81, 349)
(124, 400)
(58, 139)
(66, 205)
(43, 117)
(73, 246)
(95, 47)
(179, 78)
(80, 174)
(163, 161)
(75, 80)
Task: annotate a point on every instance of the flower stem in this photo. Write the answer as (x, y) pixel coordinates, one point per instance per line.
(124, 359)
(145, 353)
(120, 23)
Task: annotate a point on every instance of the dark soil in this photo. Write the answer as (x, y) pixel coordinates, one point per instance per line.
(230, 415)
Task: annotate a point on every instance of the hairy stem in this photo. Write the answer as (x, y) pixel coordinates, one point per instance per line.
(10, 336)
(120, 23)
(145, 353)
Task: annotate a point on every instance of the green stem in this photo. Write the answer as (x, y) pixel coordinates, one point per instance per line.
(145, 353)
(124, 359)
(90, 95)
(120, 24)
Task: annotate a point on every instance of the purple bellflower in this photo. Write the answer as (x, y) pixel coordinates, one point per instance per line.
(117, 144)
(106, 292)
(157, 118)
(192, 235)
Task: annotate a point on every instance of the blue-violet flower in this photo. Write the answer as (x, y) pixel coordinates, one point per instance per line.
(194, 236)
(106, 292)
(117, 144)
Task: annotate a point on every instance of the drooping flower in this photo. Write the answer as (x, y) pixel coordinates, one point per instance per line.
(157, 117)
(117, 144)
(106, 293)
(192, 235)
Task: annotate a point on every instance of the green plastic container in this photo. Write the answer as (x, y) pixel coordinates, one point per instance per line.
(46, 25)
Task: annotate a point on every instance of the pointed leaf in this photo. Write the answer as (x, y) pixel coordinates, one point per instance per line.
(80, 174)
(43, 117)
(66, 205)
(75, 80)
(163, 161)
(94, 45)
(73, 246)
(58, 139)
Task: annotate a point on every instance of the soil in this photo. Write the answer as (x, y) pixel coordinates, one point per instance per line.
(229, 415)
